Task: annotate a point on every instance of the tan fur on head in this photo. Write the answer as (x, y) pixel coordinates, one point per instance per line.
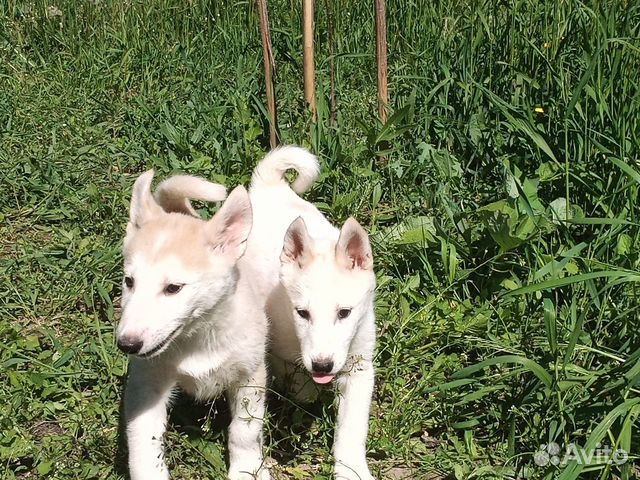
(184, 237)
(195, 256)
(228, 230)
(177, 236)
(143, 207)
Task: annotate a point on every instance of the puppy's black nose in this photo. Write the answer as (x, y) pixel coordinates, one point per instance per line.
(322, 365)
(130, 345)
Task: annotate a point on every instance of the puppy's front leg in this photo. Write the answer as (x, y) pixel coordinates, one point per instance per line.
(145, 407)
(247, 403)
(355, 389)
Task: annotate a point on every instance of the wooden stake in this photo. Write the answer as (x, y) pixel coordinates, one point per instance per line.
(307, 56)
(269, 67)
(381, 59)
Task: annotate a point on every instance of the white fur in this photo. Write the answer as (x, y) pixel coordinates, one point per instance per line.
(334, 270)
(173, 194)
(300, 261)
(216, 329)
(271, 169)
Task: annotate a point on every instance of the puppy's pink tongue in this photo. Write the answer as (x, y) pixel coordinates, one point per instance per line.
(322, 378)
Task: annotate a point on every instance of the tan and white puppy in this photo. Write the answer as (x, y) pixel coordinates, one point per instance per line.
(189, 321)
(317, 284)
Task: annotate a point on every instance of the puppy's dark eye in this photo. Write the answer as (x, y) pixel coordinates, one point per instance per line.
(303, 313)
(344, 313)
(172, 289)
(128, 281)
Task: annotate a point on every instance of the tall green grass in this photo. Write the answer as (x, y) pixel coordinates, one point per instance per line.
(501, 197)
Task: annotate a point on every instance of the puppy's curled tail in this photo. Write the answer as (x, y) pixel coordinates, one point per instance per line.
(174, 193)
(270, 171)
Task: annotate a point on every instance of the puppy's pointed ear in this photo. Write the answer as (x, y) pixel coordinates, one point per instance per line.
(143, 206)
(353, 249)
(228, 230)
(298, 245)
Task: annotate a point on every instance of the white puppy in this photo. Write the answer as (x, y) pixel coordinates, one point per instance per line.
(189, 320)
(317, 285)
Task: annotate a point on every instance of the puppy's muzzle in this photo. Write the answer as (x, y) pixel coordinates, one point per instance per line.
(322, 365)
(130, 345)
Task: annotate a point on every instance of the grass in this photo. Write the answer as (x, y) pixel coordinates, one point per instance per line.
(501, 198)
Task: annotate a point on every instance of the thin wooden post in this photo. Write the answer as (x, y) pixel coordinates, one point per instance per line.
(381, 59)
(307, 56)
(269, 67)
